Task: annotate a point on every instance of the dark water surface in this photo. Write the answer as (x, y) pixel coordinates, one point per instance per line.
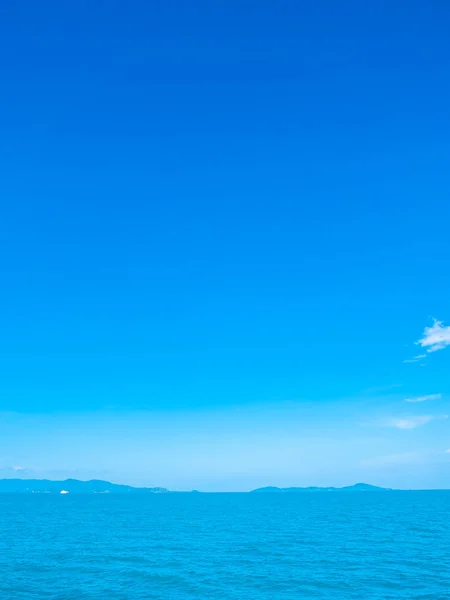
(226, 546)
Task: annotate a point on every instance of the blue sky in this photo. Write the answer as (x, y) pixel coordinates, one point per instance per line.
(224, 229)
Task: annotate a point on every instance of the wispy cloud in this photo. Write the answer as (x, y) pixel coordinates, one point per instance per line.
(436, 337)
(415, 359)
(424, 398)
(411, 422)
(446, 451)
(14, 471)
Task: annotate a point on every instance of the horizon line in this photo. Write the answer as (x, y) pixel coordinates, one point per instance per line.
(288, 489)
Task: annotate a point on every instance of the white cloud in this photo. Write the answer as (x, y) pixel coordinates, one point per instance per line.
(415, 358)
(436, 337)
(424, 398)
(412, 422)
(446, 451)
(18, 468)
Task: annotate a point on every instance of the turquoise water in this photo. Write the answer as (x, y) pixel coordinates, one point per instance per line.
(226, 546)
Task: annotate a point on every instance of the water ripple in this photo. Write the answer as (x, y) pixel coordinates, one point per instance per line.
(236, 546)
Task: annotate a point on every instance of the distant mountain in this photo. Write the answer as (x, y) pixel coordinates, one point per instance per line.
(95, 486)
(358, 487)
(73, 486)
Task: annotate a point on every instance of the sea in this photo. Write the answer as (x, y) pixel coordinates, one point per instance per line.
(364, 545)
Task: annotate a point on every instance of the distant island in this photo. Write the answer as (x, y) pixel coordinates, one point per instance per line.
(97, 486)
(71, 486)
(358, 487)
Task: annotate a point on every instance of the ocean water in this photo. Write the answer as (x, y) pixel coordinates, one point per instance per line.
(226, 546)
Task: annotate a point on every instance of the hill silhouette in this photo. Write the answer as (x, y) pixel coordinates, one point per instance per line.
(358, 487)
(73, 486)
